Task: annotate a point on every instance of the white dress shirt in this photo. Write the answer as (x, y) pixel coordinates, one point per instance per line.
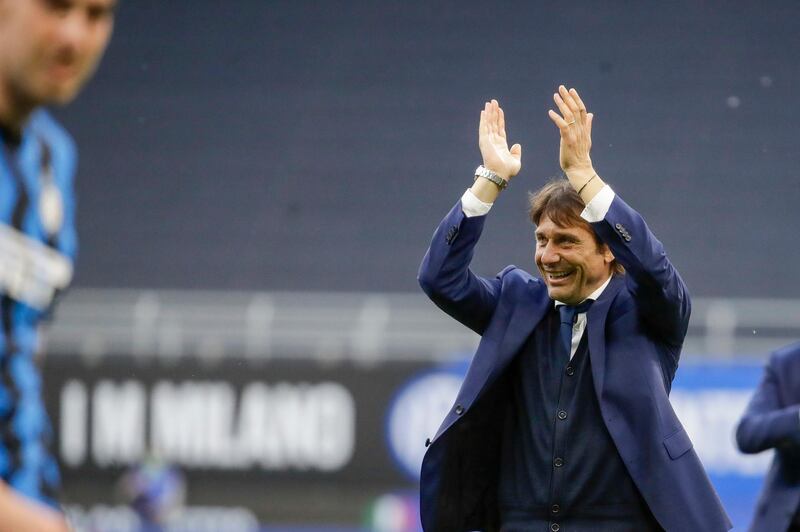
(579, 325)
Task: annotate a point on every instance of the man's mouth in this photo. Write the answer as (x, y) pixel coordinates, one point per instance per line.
(558, 276)
(62, 72)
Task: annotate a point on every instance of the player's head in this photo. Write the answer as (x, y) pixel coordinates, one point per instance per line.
(573, 261)
(50, 48)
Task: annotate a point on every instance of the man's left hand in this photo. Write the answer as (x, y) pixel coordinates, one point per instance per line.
(575, 126)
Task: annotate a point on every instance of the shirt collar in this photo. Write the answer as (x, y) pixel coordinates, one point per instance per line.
(594, 296)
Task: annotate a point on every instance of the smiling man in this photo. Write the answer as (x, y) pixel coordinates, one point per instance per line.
(563, 421)
(48, 50)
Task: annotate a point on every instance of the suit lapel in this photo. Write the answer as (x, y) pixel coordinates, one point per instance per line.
(489, 361)
(527, 313)
(596, 323)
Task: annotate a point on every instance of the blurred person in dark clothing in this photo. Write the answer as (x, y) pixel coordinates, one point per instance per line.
(563, 421)
(48, 50)
(772, 421)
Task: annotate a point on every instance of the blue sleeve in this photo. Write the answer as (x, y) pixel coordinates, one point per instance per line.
(768, 423)
(660, 294)
(63, 153)
(445, 277)
(65, 160)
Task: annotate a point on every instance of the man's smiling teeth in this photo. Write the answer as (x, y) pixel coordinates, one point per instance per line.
(558, 275)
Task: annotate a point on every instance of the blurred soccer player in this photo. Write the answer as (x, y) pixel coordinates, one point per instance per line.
(563, 422)
(772, 421)
(48, 50)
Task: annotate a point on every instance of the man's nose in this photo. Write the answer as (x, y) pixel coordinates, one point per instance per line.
(550, 254)
(73, 30)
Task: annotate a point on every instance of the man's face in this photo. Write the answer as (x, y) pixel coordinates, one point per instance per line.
(50, 48)
(571, 263)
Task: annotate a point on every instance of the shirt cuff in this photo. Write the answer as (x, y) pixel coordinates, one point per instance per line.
(472, 206)
(597, 209)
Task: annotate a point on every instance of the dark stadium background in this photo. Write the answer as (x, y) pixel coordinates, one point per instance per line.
(311, 147)
(315, 145)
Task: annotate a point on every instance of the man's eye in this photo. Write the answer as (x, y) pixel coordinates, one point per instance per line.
(100, 13)
(58, 5)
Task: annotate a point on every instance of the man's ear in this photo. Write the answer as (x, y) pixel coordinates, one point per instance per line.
(608, 257)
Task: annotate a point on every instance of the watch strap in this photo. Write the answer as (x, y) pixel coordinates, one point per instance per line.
(482, 171)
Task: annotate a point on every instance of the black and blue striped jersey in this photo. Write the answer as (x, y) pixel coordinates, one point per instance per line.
(37, 249)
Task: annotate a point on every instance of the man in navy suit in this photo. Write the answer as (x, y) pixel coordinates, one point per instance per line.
(563, 421)
(772, 421)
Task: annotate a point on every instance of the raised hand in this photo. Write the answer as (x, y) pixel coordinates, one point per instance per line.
(575, 126)
(493, 144)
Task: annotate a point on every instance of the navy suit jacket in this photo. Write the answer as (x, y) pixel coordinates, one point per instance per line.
(635, 333)
(772, 421)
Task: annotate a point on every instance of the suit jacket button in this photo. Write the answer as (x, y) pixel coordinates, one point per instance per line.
(555, 508)
(554, 527)
(570, 371)
(459, 410)
(562, 415)
(427, 442)
(627, 238)
(558, 462)
(451, 234)
(618, 226)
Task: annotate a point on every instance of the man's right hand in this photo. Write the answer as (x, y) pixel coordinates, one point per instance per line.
(494, 149)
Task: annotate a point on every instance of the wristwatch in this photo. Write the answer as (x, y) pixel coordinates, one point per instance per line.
(482, 171)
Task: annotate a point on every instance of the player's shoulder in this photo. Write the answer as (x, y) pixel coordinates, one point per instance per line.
(788, 355)
(48, 129)
(514, 278)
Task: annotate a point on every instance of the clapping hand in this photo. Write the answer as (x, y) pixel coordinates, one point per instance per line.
(493, 144)
(575, 126)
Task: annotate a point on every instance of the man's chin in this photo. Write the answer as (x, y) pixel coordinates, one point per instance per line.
(561, 294)
(60, 93)
(555, 293)
(63, 96)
